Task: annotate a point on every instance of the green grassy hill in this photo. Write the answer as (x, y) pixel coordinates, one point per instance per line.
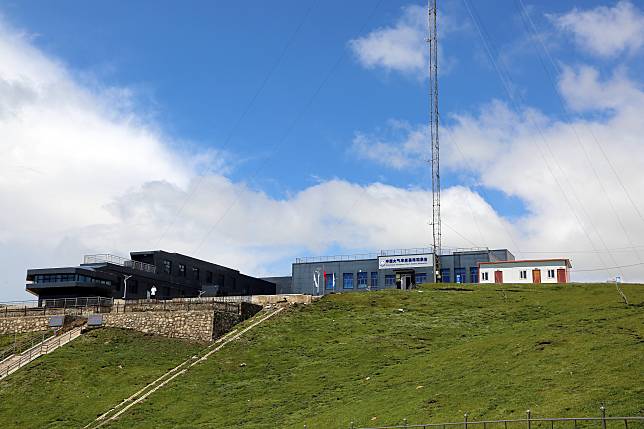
(374, 358)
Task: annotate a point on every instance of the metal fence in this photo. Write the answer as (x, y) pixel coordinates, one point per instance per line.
(118, 260)
(529, 422)
(186, 304)
(55, 307)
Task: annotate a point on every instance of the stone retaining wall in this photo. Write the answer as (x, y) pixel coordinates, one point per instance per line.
(189, 325)
(9, 325)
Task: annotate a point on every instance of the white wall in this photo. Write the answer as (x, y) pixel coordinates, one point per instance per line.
(511, 274)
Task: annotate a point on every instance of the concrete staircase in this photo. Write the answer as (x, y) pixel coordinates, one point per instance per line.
(14, 362)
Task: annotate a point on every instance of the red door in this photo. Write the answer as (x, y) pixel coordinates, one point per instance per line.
(536, 275)
(561, 275)
(498, 276)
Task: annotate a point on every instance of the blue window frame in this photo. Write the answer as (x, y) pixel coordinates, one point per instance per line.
(390, 280)
(445, 275)
(374, 279)
(474, 274)
(421, 278)
(362, 279)
(347, 280)
(328, 281)
(459, 275)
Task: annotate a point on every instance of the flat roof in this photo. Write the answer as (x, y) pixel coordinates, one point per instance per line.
(566, 261)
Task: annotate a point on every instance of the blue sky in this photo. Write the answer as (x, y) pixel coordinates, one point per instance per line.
(286, 99)
(196, 69)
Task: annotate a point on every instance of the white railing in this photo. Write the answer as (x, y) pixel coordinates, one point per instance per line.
(118, 260)
(14, 363)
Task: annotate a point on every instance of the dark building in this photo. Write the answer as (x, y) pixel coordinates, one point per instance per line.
(168, 275)
(401, 268)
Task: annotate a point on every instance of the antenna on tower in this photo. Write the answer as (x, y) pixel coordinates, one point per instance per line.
(433, 133)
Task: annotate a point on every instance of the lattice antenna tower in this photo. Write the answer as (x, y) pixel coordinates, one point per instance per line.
(433, 133)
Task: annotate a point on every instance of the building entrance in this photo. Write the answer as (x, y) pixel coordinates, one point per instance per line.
(405, 279)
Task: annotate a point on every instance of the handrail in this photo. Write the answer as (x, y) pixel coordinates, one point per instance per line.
(118, 260)
(40, 349)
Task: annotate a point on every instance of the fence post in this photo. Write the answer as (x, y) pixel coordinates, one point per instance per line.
(528, 414)
(352, 425)
(465, 415)
(603, 410)
(405, 422)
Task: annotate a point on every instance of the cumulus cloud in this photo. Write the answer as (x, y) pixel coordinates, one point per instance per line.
(82, 172)
(401, 47)
(605, 31)
(401, 145)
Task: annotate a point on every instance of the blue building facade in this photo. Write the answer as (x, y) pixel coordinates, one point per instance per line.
(388, 269)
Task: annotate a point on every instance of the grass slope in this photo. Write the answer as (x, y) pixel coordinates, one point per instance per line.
(493, 352)
(72, 385)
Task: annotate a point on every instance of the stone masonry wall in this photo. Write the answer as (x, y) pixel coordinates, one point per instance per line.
(9, 325)
(189, 325)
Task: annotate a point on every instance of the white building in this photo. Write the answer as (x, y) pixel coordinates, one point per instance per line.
(526, 271)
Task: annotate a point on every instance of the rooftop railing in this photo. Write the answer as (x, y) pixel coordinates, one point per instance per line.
(389, 252)
(118, 260)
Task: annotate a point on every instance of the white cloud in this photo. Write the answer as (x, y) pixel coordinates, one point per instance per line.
(81, 172)
(401, 47)
(605, 31)
(400, 146)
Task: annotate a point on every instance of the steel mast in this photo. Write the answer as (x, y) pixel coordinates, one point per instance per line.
(433, 132)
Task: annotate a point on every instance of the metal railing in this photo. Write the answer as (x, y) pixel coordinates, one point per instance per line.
(225, 304)
(528, 423)
(12, 364)
(388, 252)
(20, 346)
(118, 260)
(60, 306)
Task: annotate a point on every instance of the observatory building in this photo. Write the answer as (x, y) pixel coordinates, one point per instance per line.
(400, 268)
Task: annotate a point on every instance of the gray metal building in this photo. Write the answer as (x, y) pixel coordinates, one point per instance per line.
(400, 268)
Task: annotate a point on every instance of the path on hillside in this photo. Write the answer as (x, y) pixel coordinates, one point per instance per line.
(14, 362)
(126, 404)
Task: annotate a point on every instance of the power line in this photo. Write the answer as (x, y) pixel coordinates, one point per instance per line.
(506, 81)
(602, 269)
(277, 145)
(239, 120)
(529, 24)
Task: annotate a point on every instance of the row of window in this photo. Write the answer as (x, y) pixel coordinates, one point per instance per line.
(523, 274)
(196, 274)
(460, 275)
(365, 280)
(59, 278)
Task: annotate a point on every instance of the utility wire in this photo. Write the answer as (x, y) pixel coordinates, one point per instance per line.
(506, 81)
(278, 144)
(529, 24)
(239, 120)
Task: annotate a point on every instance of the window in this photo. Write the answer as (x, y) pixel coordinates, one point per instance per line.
(523, 274)
(445, 277)
(551, 274)
(459, 275)
(485, 276)
(474, 274)
(329, 281)
(374, 279)
(390, 280)
(167, 266)
(182, 270)
(347, 281)
(421, 278)
(362, 279)
(195, 273)
(209, 277)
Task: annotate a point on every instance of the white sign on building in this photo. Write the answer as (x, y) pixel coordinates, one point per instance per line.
(405, 261)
